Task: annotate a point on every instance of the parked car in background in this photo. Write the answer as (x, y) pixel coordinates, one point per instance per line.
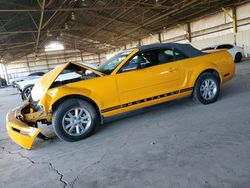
(37, 74)
(130, 80)
(3, 82)
(31, 76)
(236, 51)
(25, 86)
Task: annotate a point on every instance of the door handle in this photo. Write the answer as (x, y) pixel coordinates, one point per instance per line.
(170, 70)
(173, 69)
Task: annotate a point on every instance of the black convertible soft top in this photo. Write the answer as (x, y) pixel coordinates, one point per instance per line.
(186, 49)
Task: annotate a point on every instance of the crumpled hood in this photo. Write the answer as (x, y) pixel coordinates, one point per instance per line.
(44, 83)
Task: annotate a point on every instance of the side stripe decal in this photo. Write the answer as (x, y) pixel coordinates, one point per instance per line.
(147, 99)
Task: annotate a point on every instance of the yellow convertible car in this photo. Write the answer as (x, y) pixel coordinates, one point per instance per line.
(75, 98)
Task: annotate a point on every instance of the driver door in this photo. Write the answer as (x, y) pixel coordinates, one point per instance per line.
(142, 77)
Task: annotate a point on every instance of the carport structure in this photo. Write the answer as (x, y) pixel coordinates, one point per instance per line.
(93, 26)
(176, 144)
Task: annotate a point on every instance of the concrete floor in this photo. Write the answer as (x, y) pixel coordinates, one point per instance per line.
(176, 144)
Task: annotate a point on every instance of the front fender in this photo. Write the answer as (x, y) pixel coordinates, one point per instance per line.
(55, 94)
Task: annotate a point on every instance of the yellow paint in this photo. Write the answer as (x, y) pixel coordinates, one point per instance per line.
(19, 132)
(117, 89)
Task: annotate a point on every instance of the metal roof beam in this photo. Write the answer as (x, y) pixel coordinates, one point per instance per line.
(53, 15)
(154, 19)
(40, 25)
(9, 21)
(17, 46)
(110, 21)
(34, 22)
(87, 9)
(129, 23)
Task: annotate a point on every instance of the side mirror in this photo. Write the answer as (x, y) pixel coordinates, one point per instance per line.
(142, 65)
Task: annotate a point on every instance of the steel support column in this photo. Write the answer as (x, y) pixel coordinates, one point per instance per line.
(234, 22)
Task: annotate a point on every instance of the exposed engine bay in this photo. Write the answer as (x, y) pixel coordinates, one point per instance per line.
(73, 73)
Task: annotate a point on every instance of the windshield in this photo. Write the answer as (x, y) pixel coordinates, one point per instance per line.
(109, 65)
(90, 65)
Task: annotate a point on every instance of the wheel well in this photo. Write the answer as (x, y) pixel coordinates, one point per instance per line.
(30, 85)
(58, 102)
(22, 91)
(212, 71)
(238, 53)
(241, 56)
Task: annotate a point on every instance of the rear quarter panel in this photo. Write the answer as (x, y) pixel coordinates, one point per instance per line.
(220, 61)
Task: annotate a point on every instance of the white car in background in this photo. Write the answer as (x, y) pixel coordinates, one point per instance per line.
(31, 76)
(236, 51)
(26, 86)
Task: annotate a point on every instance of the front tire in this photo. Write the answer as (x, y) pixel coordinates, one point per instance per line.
(207, 88)
(74, 120)
(26, 92)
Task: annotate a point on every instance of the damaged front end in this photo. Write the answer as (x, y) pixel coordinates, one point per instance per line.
(22, 121)
(22, 124)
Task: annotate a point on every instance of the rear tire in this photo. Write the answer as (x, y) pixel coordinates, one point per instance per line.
(207, 88)
(74, 120)
(238, 57)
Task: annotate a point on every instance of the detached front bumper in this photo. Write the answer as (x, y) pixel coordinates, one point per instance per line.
(20, 132)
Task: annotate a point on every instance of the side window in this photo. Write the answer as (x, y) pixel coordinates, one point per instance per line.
(179, 56)
(166, 56)
(152, 58)
(170, 55)
(134, 63)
